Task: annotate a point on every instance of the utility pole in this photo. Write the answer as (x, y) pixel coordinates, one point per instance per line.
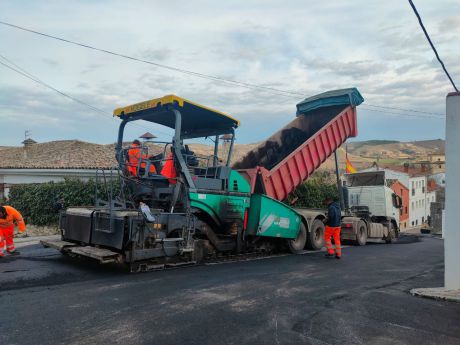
(452, 232)
(339, 184)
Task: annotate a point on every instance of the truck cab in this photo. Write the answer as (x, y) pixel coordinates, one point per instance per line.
(372, 208)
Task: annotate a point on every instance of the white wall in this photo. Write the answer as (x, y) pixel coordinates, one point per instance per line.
(452, 229)
(418, 207)
(19, 176)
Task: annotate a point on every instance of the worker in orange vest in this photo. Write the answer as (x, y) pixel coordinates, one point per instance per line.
(333, 225)
(9, 216)
(134, 156)
(169, 170)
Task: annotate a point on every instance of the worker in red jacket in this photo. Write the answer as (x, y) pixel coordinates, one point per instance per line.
(9, 217)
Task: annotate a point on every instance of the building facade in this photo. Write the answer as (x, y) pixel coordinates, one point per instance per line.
(403, 192)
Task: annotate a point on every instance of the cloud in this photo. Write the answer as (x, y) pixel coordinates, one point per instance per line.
(303, 46)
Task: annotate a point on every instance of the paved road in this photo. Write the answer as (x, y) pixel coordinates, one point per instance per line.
(307, 299)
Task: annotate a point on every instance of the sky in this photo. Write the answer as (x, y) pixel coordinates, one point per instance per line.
(306, 47)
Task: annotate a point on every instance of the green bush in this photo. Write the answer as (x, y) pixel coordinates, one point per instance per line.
(38, 202)
(312, 192)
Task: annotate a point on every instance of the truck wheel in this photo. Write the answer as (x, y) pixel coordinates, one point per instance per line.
(316, 235)
(361, 234)
(391, 234)
(297, 245)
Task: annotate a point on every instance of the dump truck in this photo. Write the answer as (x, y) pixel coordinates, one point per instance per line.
(205, 206)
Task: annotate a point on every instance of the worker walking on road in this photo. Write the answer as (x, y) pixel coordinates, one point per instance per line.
(9, 217)
(333, 223)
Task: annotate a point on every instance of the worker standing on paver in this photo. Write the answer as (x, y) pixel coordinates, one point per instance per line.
(333, 222)
(135, 156)
(9, 217)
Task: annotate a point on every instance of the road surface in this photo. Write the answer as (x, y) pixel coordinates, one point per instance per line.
(46, 298)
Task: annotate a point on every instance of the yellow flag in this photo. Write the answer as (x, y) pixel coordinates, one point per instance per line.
(349, 168)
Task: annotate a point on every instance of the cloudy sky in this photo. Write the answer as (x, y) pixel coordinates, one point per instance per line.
(304, 46)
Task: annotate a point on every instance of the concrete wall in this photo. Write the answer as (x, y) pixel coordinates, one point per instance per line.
(452, 229)
(436, 209)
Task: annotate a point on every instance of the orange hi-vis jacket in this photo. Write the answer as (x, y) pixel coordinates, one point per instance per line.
(12, 216)
(134, 156)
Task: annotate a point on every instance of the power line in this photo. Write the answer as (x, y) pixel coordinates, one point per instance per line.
(34, 78)
(404, 109)
(30, 76)
(402, 114)
(431, 44)
(285, 93)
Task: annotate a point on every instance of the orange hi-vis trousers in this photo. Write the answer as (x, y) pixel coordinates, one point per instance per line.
(335, 233)
(6, 235)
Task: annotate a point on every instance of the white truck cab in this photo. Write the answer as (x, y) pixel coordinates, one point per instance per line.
(372, 208)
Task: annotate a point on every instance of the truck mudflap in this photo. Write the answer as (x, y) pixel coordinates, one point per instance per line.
(102, 255)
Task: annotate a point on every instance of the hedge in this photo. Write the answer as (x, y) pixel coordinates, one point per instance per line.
(39, 203)
(311, 193)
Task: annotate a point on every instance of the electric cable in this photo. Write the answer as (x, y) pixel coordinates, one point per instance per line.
(285, 93)
(432, 45)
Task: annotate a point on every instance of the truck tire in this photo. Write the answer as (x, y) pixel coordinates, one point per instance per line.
(391, 234)
(297, 245)
(361, 234)
(316, 235)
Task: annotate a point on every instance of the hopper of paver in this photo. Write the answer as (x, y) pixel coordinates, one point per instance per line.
(286, 159)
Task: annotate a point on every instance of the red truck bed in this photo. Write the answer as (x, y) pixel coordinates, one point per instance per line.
(282, 162)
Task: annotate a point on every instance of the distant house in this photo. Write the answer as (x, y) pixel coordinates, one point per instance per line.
(436, 162)
(439, 178)
(52, 161)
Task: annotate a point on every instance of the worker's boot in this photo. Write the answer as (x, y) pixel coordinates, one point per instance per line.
(14, 252)
(329, 255)
(338, 257)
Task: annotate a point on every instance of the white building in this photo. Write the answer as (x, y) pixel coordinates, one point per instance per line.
(419, 199)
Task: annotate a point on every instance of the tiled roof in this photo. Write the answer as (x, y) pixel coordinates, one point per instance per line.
(412, 172)
(75, 154)
(63, 154)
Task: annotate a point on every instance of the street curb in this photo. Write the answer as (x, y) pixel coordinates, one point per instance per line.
(437, 293)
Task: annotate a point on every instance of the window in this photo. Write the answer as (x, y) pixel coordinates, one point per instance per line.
(413, 184)
(416, 222)
(406, 209)
(412, 208)
(423, 219)
(412, 223)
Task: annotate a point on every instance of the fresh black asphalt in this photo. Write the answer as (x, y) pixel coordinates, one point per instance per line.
(305, 299)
